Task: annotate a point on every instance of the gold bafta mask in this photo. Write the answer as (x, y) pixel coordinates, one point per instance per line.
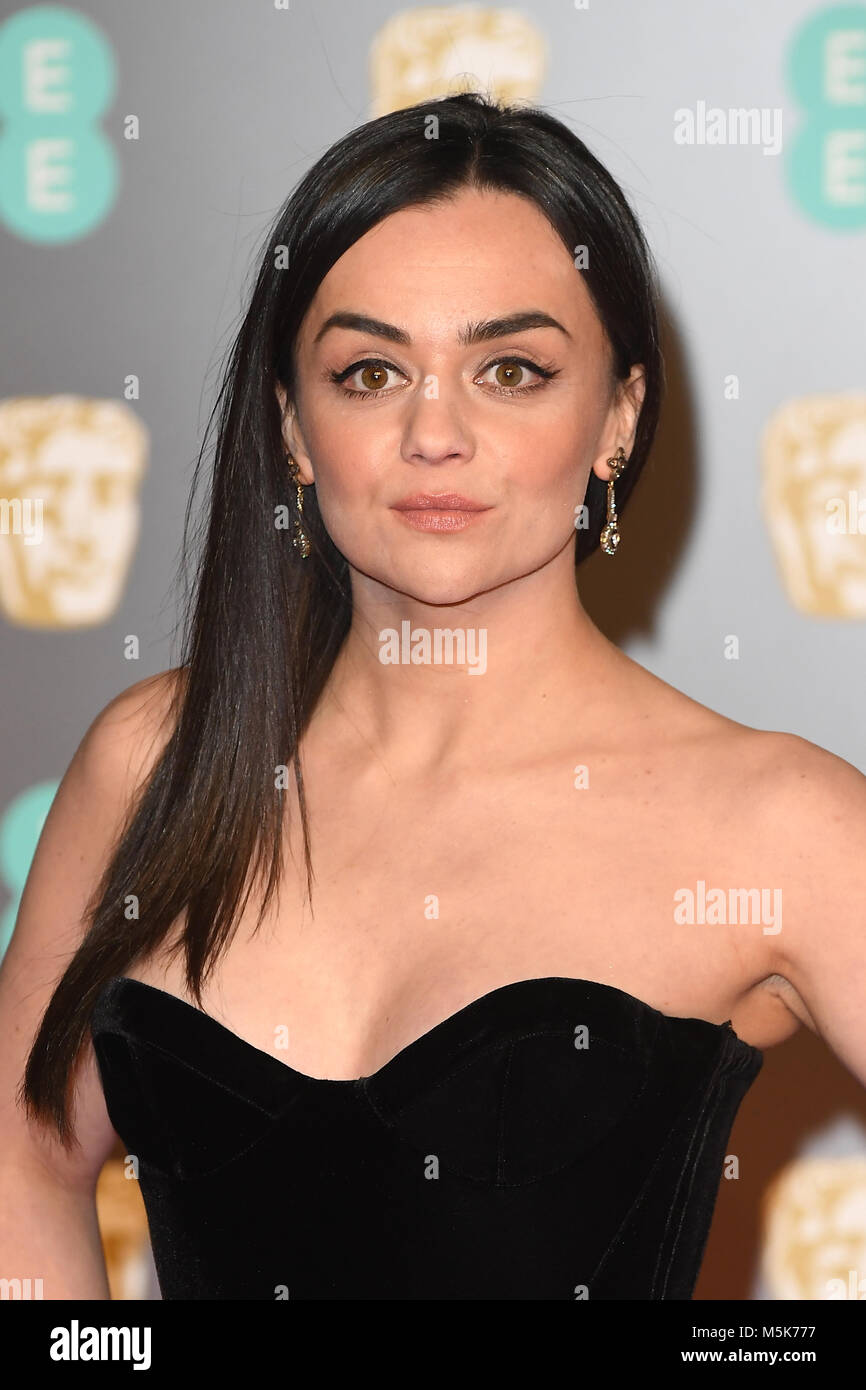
(815, 1230)
(438, 50)
(814, 499)
(70, 469)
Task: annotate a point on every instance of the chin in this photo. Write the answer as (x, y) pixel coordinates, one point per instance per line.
(436, 590)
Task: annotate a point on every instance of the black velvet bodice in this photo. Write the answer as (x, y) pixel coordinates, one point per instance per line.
(555, 1139)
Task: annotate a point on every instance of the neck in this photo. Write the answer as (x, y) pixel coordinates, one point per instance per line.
(435, 686)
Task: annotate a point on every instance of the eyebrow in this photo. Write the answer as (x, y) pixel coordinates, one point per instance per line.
(473, 332)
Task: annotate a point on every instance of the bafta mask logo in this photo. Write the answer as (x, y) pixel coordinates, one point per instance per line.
(437, 51)
(70, 470)
(814, 500)
(815, 1230)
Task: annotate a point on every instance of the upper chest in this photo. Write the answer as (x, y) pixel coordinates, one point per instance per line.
(426, 898)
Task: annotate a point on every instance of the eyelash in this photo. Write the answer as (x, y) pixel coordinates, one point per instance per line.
(546, 373)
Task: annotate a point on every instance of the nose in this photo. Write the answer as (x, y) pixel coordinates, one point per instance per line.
(436, 431)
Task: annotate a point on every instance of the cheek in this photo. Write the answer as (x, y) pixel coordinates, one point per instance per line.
(347, 458)
(352, 472)
(547, 456)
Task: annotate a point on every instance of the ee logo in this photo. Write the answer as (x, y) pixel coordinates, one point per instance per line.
(20, 828)
(58, 170)
(827, 76)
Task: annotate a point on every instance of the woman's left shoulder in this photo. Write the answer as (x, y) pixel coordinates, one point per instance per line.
(791, 797)
(800, 779)
(806, 822)
(786, 778)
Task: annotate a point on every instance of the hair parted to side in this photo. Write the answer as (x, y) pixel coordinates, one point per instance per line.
(261, 626)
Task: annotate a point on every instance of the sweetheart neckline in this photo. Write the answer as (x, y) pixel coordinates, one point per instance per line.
(439, 1029)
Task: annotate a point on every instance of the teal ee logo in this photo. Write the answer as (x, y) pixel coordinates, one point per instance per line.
(826, 72)
(58, 170)
(20, 829)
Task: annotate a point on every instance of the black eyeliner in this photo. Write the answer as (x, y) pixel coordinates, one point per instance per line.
(339, 377)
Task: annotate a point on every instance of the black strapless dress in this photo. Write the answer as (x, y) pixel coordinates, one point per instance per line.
(555, 1139)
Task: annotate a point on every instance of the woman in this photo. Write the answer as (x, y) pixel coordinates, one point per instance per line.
(491, 1054)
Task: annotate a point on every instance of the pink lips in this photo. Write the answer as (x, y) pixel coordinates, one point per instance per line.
(444, 511)
(442, 502)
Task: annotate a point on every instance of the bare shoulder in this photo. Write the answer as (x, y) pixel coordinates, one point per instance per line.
(81, 829)
(779, 768)
(812, 805)
(805, 785)
(113, 758)
(127, 736)
(804, 800)
(805, 809)
(810, 809)
(784, 813)
(802, 821)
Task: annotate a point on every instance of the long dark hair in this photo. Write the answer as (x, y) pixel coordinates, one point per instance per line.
(262, 626)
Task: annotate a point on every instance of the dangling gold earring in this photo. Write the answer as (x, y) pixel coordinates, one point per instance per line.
(610, 537)
(300, 539)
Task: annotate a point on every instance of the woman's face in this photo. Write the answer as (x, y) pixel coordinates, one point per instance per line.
(432, 396)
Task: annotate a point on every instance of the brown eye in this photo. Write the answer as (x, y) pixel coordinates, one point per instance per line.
(373, 377)
(508, 374)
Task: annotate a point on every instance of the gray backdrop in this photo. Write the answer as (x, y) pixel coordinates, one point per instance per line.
(235, 98)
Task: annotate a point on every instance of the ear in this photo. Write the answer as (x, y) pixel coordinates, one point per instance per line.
(621, 424)
(293, 437)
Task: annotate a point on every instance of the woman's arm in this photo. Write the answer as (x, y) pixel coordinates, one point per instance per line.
(48, 1226)
(815, 811)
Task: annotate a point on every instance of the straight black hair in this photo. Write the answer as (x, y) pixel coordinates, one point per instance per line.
(262, 626)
